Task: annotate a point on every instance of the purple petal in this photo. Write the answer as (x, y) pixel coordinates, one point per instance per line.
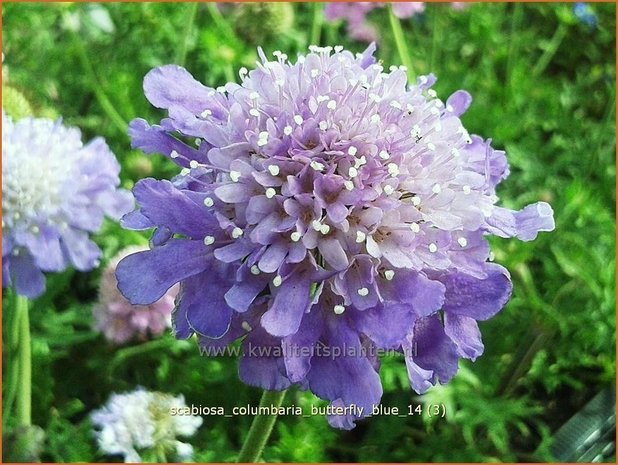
(262, 364)
(464, 332)
(477, 298)
(171, 85)
(27, 279)
(288, 305)
(524, 224)
(459, 102)
(434, 350)
(144, 277)
(165, 205)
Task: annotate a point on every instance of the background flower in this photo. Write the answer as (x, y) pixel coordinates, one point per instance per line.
(55, 191)
(143, 425)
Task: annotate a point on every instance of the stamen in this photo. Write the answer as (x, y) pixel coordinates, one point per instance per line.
(414, 227)
(237, 232)
(363, 292)
(273, 169)
(389, 275)
(209, 240)
(338, 309)
(255, 270)
(235, 175)
(270, 193)
(277, 281)
(295, 236)
(360, 237)
(433, 248)
(209, 202)
(462, 241)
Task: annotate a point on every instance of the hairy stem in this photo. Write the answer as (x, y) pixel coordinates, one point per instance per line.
(260, 429)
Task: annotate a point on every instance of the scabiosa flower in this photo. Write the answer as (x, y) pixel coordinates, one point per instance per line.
(55, 191)
(326, 208)
(120, 321)
(142, 423)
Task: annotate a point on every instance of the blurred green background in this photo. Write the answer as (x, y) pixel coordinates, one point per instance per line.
(543, 84)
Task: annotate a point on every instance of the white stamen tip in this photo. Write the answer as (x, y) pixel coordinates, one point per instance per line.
(273, 169)
(270, 193)
(255, 270)
(209, 240)
(295, 236)
(298, 119)
(393, 169)
(462, 241)
(455, 152)
(331, 105)
(315, 72)
(246, 326)
(395, 104)
(325, 229)
(349, 185)
(375, 119)
(384, 155)
(193, 164)
(363, 292)
(185, 172)
(360, 237)
(436, 189)
(323, 125)
(414, 227)
(338, 309)
(466, 189)
(262, 138)
(433, 248)
(315, 224)
(174, 154)
(254, 95)
(277, 281)
(316, 165)
(388, 189)
(389, 274)
(352, 172)
(237, 232)
(235, 175)
(254, 112)
(416, 200)
(287, 130)
(360, 162)
(206, 113)
(431, 146)
(431, 93)
(352, 150)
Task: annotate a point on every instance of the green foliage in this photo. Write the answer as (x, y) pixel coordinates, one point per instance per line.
(544, 89)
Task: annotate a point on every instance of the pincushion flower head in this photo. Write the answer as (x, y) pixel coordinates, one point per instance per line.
(323, 207)
(55, 192)
(120, 321)
(142, 425)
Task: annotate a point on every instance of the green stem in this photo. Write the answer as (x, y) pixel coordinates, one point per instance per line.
(551, 50)
(260, 429)
(316, 25)
(402, 47)
(14, 321)
(516, 18)
(435, 43)
(100, 95)
(181, 54)
(24, 393)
